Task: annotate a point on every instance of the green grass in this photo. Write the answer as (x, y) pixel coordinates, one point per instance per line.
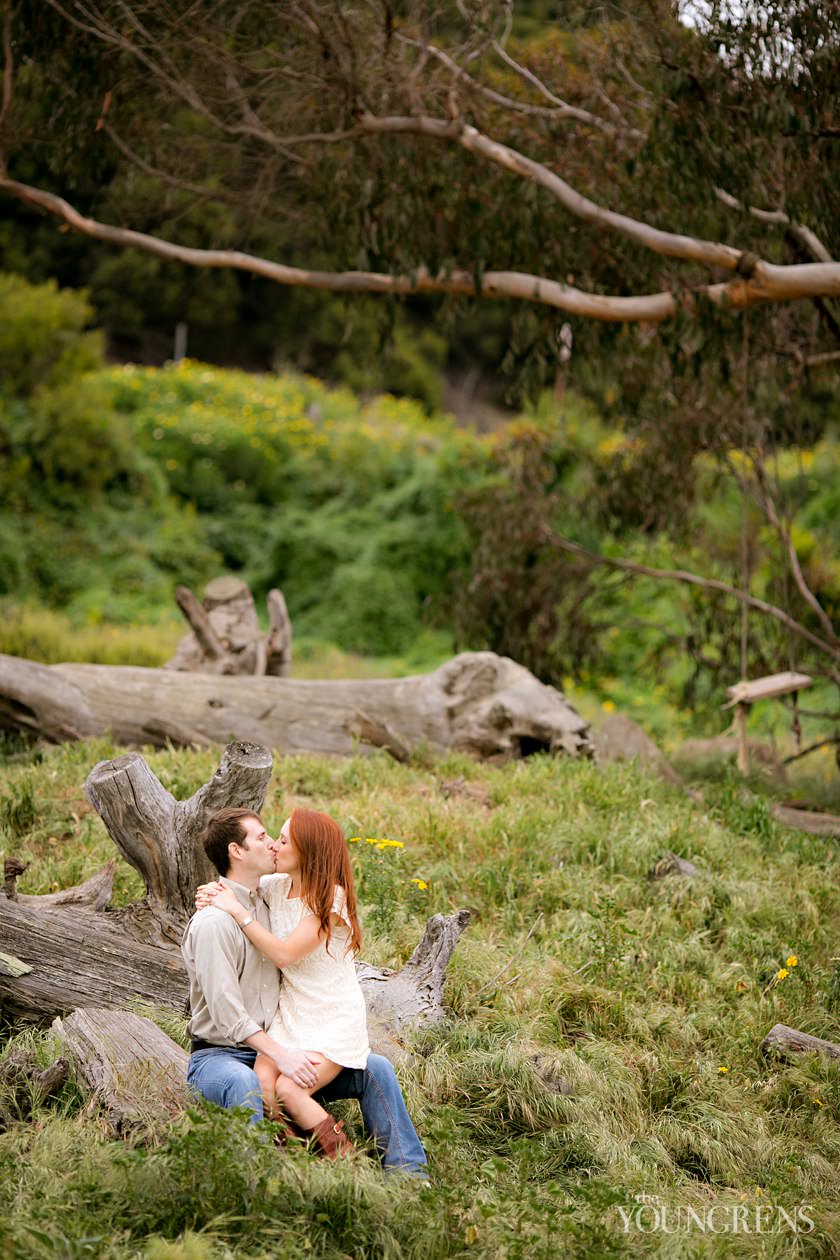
(637, 992)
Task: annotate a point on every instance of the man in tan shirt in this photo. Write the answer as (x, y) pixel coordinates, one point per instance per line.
(234, 992)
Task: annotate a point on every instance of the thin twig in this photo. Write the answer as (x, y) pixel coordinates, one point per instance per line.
(513, 957)
(709, 584)
(823, 743)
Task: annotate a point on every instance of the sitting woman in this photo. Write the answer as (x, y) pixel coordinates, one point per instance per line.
(314, 939)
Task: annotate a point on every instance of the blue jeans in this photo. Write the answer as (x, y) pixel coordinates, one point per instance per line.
(225, 1076)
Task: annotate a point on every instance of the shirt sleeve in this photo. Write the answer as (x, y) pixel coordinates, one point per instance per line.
(339, 905)
(216, 951)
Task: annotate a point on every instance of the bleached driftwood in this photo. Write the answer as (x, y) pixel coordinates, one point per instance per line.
(135, 1074)
(226, 634)
(792, 1043)
(479, 703)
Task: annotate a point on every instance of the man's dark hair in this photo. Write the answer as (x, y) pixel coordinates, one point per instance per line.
(224, 829)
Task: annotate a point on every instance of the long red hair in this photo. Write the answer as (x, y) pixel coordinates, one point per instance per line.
(324, 862)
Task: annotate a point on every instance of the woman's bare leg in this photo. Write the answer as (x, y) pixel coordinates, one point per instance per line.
(298, 1103)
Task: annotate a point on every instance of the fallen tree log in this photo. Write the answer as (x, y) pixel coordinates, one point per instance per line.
(791, 1043)
(135, 1074)
(480, 703)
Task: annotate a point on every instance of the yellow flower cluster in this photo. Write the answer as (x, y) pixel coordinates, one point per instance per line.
(421, 884)
(380, 844)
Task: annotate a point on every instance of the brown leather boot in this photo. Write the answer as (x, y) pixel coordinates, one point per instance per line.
(330, 1138)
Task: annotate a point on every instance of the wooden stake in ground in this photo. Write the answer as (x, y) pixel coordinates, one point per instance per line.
(744, 694)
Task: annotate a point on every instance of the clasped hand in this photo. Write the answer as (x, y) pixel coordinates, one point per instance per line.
(216, 894)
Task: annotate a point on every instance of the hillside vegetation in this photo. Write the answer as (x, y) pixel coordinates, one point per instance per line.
(395, 535)
(650, 997)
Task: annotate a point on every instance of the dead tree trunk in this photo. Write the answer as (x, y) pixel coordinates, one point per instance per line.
(161, 837)
(480, 703)
(136, 1075)
(226, 635)
(791, 1043)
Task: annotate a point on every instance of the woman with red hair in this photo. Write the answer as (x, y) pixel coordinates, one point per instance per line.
(314, 939)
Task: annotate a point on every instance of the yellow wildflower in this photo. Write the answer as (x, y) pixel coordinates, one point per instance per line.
(421, 884)
(818, 1102)
(782, 973)
(354, 840)
(608, 706)
(792, 961)
(723, 1069)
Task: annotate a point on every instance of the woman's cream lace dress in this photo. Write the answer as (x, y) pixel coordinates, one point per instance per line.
(321, 1004)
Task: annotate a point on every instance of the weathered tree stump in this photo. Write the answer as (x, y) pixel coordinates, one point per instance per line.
(23, 1084)
(136, 1075)
(791, 1043)
(479, 703)
(226, 635)
(398, 1001)
(161, 837)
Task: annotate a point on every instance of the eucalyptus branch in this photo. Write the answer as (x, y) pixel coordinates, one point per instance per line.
(777, 282)
(803, 234)
(828, 359)
(831, 650)
(517, 285)
(8, 67)
(560, 111)
(805, 752)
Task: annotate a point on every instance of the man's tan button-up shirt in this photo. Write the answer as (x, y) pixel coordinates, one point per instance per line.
(234, 989)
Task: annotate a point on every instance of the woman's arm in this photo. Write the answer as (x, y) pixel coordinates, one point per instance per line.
(282, 951)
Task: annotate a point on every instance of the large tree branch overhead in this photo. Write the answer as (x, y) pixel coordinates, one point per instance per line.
(767, 283)
(351, 125)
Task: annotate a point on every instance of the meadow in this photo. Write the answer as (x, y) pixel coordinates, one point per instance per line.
(650, 997)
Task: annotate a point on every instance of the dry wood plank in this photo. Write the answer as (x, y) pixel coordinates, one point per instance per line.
(748, 691)
(136, 1074)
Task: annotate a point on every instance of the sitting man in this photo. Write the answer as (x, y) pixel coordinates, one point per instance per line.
(234, 993)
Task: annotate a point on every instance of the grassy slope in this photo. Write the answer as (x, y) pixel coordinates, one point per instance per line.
(638, 992)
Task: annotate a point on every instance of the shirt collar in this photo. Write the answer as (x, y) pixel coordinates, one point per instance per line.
(242, 893)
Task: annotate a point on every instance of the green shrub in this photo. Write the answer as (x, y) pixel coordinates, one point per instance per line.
(44, 336)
